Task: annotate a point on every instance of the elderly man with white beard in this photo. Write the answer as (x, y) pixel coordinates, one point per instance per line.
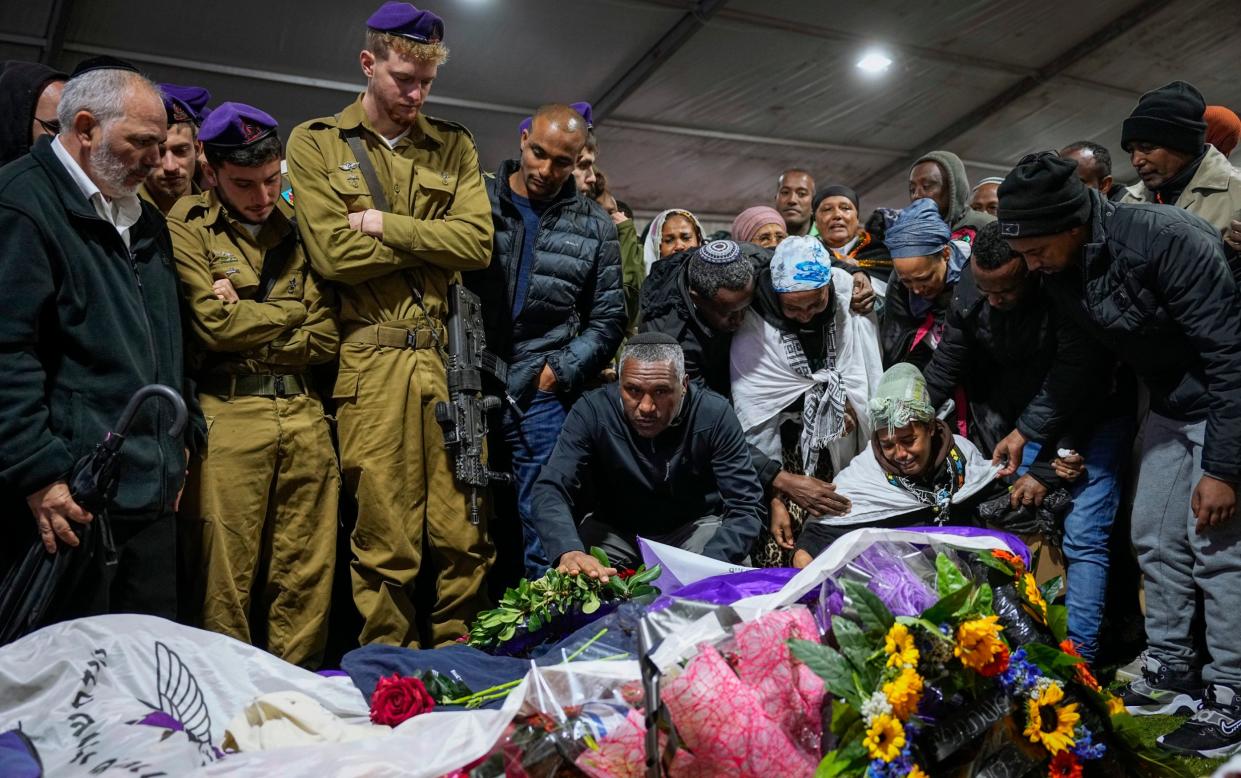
(92, 314)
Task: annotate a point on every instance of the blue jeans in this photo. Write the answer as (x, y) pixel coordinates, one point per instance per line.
(530, 441)
(1088, 528)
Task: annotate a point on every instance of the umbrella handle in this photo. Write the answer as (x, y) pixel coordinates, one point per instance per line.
(155, 390)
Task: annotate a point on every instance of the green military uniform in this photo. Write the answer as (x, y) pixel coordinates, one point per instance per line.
(145, 194)
(633, 270)
(264, 496)
(392, 308)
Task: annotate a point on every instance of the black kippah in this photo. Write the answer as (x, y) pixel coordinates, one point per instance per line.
(1042, 196)
(652, 339)
(102, 62)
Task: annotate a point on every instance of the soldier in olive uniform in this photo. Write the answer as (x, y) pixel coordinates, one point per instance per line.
(176, 175)
(264, 497)
(392, 230)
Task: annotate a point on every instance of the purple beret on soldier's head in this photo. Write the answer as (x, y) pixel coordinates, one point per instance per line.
(185, 103)
(231, 125)
(585, 110)
(406, 21)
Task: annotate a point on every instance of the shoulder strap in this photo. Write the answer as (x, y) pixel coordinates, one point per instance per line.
(358, 146)
(275, 260)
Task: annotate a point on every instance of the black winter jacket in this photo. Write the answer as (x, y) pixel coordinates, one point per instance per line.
(700, 466)
(1153, 286)
(574, 313)
(86, 323)
(666, 307)
(1030, 367)
(899, 326)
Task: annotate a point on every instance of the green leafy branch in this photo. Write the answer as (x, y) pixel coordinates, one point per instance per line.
(532, 605)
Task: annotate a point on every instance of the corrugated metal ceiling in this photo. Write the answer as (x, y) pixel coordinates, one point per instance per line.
(762, 85)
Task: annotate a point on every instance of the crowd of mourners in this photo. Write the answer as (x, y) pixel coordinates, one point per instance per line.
(1046, 353)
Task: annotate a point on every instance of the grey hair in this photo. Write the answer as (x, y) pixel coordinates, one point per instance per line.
(656, 352)
(706, 279)
(101, 93)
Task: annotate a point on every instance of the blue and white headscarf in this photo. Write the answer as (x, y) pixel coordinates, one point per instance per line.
(800, 264)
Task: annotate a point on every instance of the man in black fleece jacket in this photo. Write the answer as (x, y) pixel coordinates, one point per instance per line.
(660, 458)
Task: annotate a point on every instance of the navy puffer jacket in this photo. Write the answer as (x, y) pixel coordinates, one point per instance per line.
(574, 316)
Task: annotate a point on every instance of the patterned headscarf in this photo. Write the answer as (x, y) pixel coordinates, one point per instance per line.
(901, 398)
(800, 264)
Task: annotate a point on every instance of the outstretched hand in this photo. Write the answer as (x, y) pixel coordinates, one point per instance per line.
(579, 563)
(818, 498)
(1008, 453)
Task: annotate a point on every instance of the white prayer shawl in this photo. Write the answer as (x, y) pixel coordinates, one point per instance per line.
(874, 498)
(764, 382)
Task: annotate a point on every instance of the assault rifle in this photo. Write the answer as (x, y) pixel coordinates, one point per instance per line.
(464, 416)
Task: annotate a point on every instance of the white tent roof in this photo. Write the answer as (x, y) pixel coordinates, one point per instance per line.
(700, 104)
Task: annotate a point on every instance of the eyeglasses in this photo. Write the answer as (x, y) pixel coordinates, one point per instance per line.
(50, 126)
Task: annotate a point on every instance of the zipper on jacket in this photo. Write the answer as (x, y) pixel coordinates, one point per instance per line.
(159, 408)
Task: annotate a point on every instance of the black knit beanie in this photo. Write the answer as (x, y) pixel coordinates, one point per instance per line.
(835, 190)
(1042, 196)
(1170, 116)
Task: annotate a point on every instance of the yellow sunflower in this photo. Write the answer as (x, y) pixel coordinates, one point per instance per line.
(885, 738)
(1115, 705)
(1048, 722)
(899, 645)
(916, 772)
(1033, 595)
(978, 641)
(904, 692)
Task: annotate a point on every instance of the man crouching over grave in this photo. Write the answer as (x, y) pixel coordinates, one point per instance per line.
(650, 455)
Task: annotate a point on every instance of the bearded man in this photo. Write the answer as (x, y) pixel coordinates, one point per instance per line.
(92, 314)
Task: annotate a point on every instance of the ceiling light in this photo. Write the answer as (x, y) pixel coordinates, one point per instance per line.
(874, 61)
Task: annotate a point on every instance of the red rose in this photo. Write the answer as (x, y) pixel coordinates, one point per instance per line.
(997, 665)
(397, 699)
(625, 573)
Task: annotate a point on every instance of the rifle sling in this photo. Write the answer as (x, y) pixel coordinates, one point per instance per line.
(367, 168)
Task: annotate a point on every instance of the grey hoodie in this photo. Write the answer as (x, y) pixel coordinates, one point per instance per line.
(959, 212)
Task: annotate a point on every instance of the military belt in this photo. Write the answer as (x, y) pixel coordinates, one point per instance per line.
(394, 337)
(250, 385)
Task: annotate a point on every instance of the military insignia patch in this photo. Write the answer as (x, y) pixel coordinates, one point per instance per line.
(251, 131)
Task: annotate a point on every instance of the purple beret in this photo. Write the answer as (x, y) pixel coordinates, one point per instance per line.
(583, 108)
(396, 18)
(231, 125)
(184, 103)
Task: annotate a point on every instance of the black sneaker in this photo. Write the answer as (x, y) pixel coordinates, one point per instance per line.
(1214, 731)
(1162, 690)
